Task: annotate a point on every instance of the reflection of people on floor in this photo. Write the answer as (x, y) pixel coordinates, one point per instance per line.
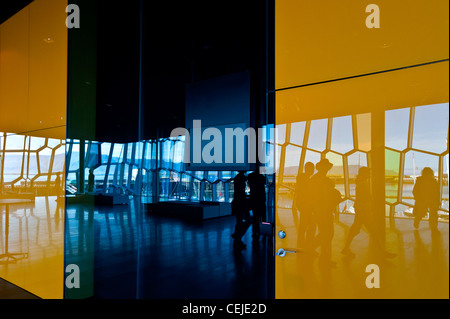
(257, 185)
(363, 213)
(58, 186)
(91, 181)
(427, 198)
(302, 203)
(325, 198)
(240, 209)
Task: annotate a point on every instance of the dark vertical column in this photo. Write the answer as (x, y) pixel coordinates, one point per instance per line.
(82, 176)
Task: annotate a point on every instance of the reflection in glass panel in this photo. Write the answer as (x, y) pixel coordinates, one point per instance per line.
(355, 162)
(208, 194)
(36, 143)
(12, 168)
(44, 160)
(105, 148)
(336, 173)
(220, 192)
(397, 126)
(280, 134)
(364, 124)
(15, 142)
(59, 159)
(342, 135)
(318, 135)
(313, 157)
(298, 132)
(292, 160)
(415, 162)
(431, 128)
(392, 168)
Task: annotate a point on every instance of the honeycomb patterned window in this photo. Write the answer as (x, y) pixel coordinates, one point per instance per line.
(30, 164)
(416, 137)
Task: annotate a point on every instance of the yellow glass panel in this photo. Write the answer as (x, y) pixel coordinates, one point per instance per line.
(33, 80)
(14, 73)
(48, 64)
(322, 40)
(364, 128)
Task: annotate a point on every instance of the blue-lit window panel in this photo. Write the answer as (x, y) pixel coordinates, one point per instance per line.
(212, 176)
(99, 174)
(208, 192)
(196, 186)
(93, 157)
(164, 183)
(110, 181)
(130, 151)
(342, 135)
(280, 134)
(185, 185)
(174, 185)
(126, 169)
(117, 155)
(178, 156)
(298, 133)
(74, 164)
(139, 153)
(150, 162)
(105, 151)
(225, 175)
(317, 139)
(199, 174)
(220, 192)
(15, 142)
(230, 191)
(397, 128)
(147, 179)
(154, 153)
(431, 128)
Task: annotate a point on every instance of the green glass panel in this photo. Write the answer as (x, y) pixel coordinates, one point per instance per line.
(392, 166)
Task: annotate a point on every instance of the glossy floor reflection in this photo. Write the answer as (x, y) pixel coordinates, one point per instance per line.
(420, 269)
(125, 253)
(36, 230)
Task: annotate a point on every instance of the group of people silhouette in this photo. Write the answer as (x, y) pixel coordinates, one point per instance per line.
(243, 204)
(316, 200)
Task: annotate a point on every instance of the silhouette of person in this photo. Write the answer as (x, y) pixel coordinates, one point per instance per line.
(257, 184)
(240, 209)
(325, 198)
(427, 198)
(363, 213)
(91, 181)
(302, 203)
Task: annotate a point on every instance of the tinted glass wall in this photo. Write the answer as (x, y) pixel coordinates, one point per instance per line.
(33, 82)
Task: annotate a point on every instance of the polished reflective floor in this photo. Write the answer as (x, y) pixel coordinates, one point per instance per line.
(125, 253)
(419, 269)
(35, 231)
